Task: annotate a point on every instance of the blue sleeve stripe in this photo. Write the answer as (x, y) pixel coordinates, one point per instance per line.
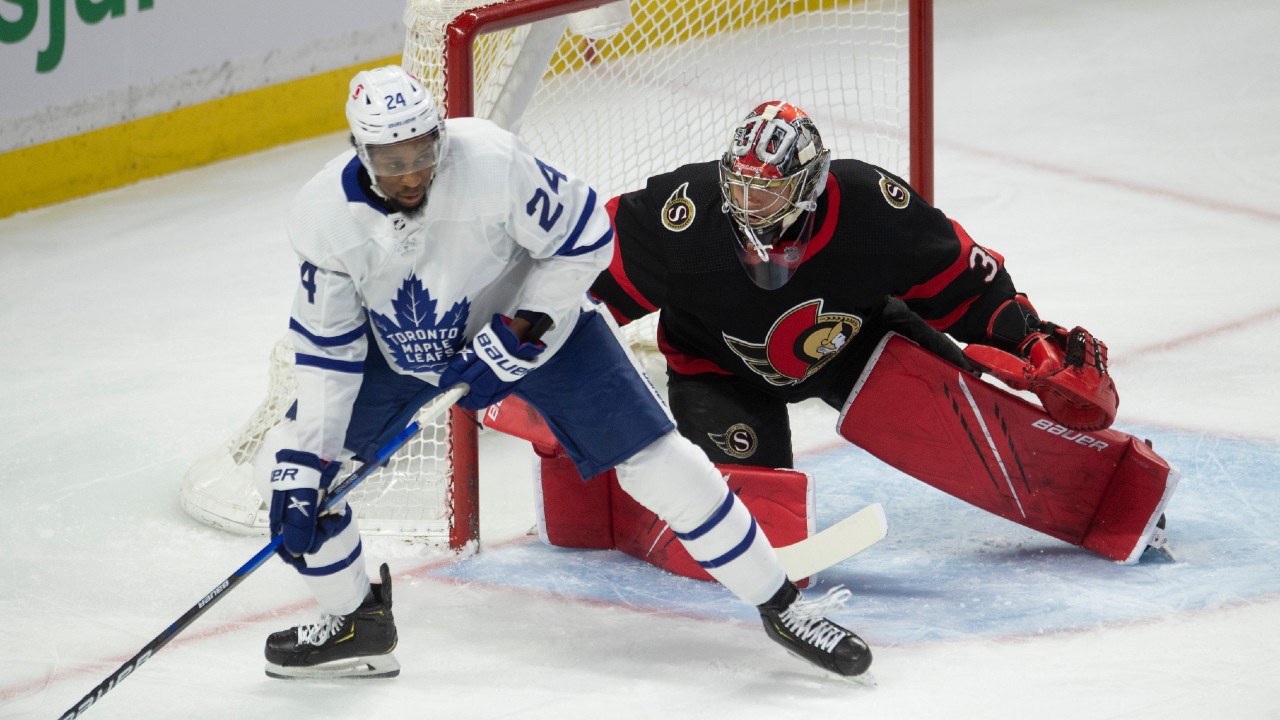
(324, 363)
(567, 248)
(737, 550)
(711, 522)
(604, 240)
(327, 341)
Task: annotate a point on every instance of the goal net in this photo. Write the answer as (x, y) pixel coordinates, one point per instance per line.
(614, 91)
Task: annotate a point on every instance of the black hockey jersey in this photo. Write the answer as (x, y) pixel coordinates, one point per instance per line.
(873, 239)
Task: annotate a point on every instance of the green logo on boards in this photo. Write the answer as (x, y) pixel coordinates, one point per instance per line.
(91, 12)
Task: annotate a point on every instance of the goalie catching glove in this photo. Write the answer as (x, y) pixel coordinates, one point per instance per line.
(492, 365)
(1067, 370)
(298, 484)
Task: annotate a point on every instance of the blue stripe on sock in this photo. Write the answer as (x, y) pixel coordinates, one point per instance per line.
(334, 567)
(711, 522)
(733, 554)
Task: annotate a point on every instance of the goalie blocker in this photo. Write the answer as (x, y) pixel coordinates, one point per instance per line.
(1102, 490)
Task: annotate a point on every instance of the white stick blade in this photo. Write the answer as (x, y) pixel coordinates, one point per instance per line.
(835, 544)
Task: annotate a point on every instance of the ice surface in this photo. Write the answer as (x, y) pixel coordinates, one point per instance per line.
(1123, 157)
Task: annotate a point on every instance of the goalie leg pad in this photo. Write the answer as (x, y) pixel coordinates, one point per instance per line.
(598, 513)
(1101, 490)
(572, 512)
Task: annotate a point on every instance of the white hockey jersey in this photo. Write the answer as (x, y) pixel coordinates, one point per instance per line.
(502, 231)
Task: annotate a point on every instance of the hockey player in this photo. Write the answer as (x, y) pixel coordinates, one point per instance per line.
(443, 252)
(780, 273)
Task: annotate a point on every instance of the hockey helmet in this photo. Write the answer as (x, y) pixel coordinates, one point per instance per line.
(387, 107)
(770, 178)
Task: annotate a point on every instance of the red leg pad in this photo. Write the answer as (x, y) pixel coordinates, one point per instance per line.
(518, 418)
(1101, 490)
(572, 512)
(598, 514)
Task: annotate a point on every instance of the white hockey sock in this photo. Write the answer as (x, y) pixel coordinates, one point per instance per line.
(336, 573)
(732, 547)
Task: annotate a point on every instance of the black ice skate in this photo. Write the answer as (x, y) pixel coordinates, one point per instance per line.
(799, 626)
(355, 645)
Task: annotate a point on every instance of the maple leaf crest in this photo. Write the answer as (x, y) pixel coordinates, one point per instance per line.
(417, 340)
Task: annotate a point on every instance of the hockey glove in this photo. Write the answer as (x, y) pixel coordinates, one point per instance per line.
(298, 484)
(1067, 371)
(492, 365)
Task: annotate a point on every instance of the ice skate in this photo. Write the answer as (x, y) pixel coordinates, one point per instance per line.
(1158, 545)
(358, 645)
(799, 626)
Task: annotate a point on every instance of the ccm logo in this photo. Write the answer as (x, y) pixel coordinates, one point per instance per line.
(1074, 436)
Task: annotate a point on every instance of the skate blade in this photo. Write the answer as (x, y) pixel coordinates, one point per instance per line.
(369, 666)
(1159, 553)
(865, 679)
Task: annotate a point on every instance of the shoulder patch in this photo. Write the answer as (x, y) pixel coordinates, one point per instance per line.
(895, 193)
(678, 210)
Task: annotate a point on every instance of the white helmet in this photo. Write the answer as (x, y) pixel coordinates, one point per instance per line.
(387, 105)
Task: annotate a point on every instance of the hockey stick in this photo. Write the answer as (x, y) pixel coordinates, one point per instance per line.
(835, 544)
(438, 407)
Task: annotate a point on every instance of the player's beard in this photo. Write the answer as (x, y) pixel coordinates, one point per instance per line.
(409, 212)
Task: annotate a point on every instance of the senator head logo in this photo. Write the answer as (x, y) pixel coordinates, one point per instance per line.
(800, 343)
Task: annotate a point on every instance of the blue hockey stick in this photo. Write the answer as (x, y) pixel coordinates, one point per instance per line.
(438, 407)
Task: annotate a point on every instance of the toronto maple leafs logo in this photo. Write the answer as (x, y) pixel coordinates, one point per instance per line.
(418, 342)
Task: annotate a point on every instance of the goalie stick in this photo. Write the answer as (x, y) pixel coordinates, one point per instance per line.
(438, 406)
(835, 544)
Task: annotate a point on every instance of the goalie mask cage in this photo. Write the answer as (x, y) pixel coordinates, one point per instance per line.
(615, 92)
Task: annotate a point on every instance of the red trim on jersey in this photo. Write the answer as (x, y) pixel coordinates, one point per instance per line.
(828, 228)
(950, 318)
(686, 364)
(618, 317)
(940, 281)
(616, 269)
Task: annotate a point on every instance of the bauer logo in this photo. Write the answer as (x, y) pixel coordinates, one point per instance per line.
(213, 594)
(106, 686)
(13, 32)
(1074, 436)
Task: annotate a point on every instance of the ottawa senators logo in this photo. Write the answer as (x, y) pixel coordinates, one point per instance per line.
(677, 213)
(738, 441)
(894, 193)
(799, 344)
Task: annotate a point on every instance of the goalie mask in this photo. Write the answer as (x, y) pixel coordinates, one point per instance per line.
(395, 126)
(770, 180)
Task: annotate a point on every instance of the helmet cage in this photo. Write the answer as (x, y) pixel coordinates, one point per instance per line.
(772, 174)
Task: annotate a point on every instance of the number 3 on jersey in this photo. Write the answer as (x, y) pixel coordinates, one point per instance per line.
(540, 205)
